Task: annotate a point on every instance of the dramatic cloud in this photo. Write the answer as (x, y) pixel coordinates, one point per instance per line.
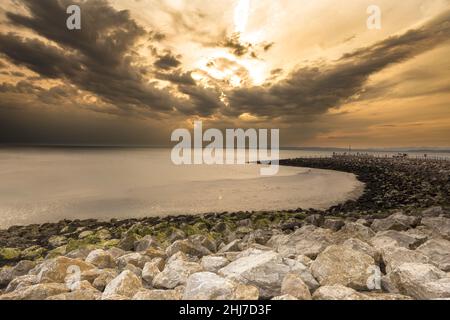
(314, 90)
(313, 71)
(99, 58)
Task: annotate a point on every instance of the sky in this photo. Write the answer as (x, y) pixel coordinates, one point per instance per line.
(139, 69)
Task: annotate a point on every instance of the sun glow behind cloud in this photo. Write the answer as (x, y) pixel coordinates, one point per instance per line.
(241, 15)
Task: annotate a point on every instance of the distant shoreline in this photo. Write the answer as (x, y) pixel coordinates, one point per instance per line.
(318, 149)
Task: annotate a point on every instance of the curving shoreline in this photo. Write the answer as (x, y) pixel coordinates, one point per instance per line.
(392, 215)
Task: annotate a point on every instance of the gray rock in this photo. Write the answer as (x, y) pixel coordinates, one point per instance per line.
(341, 265)
(353, 230)
(394, 257)
(78, 295)
(293, 285)
(188, 247)
(157, 295)
(233, 246)
(126, 284)
(264, 271)
(439, 225)
(21, 282)
(36, 292)
(101, 259)
(421, 281)
(363, 247)
(104, 278)
(150, 271)
(438, 251)
(145, 243)
(208, 286)
(213, 263)
(203, 241)
(308, 241)
(56, 270)
(333, 224)
(397, 222)
(297, 268)
(433, 211)
(175, 273)
(337, 292)
(57, 241)
(402, 239)
(135, 258)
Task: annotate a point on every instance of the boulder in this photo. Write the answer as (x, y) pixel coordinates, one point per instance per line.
(293, 285)
(213, 263)
(175, 273)
(208, 286)
(150, 271)
(203, 241)
(101, 259)
(188, 247)
(353, 230)
(299, 269)
(145, 243)
(401, 239)
(233, 246)
(337, 292)
(127, 242)
(135, 258)
(438, 252)
(308, 240)
(333, 224)
(21, 282)
(246, 292)
(341, 265)
(57, 241)
(156, 295)
(80, 253)
(398, 222)
(7, 274)
(265, 271)
(78, 295)
(394, 257)
(104, 278)
(421, 281)
(433, 212)
(56, 270)
(177, 234)
(131, 267)
(363, 247)
(116, 252)
(155, 253)
(439, 225)
(36, 292)
(125, 284)
(315, 219)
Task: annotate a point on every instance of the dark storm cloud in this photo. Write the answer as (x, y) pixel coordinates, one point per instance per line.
(177, 77)
(205, 101)
(313, 90)
(237, 47)
(99, 58)
(167, 61)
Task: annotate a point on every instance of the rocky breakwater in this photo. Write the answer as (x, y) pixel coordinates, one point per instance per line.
(241, 257)
(390, 183)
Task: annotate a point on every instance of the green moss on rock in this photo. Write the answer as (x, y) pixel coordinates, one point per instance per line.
(9, 253)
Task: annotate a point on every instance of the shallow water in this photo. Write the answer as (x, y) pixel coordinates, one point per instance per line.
(44, 185)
